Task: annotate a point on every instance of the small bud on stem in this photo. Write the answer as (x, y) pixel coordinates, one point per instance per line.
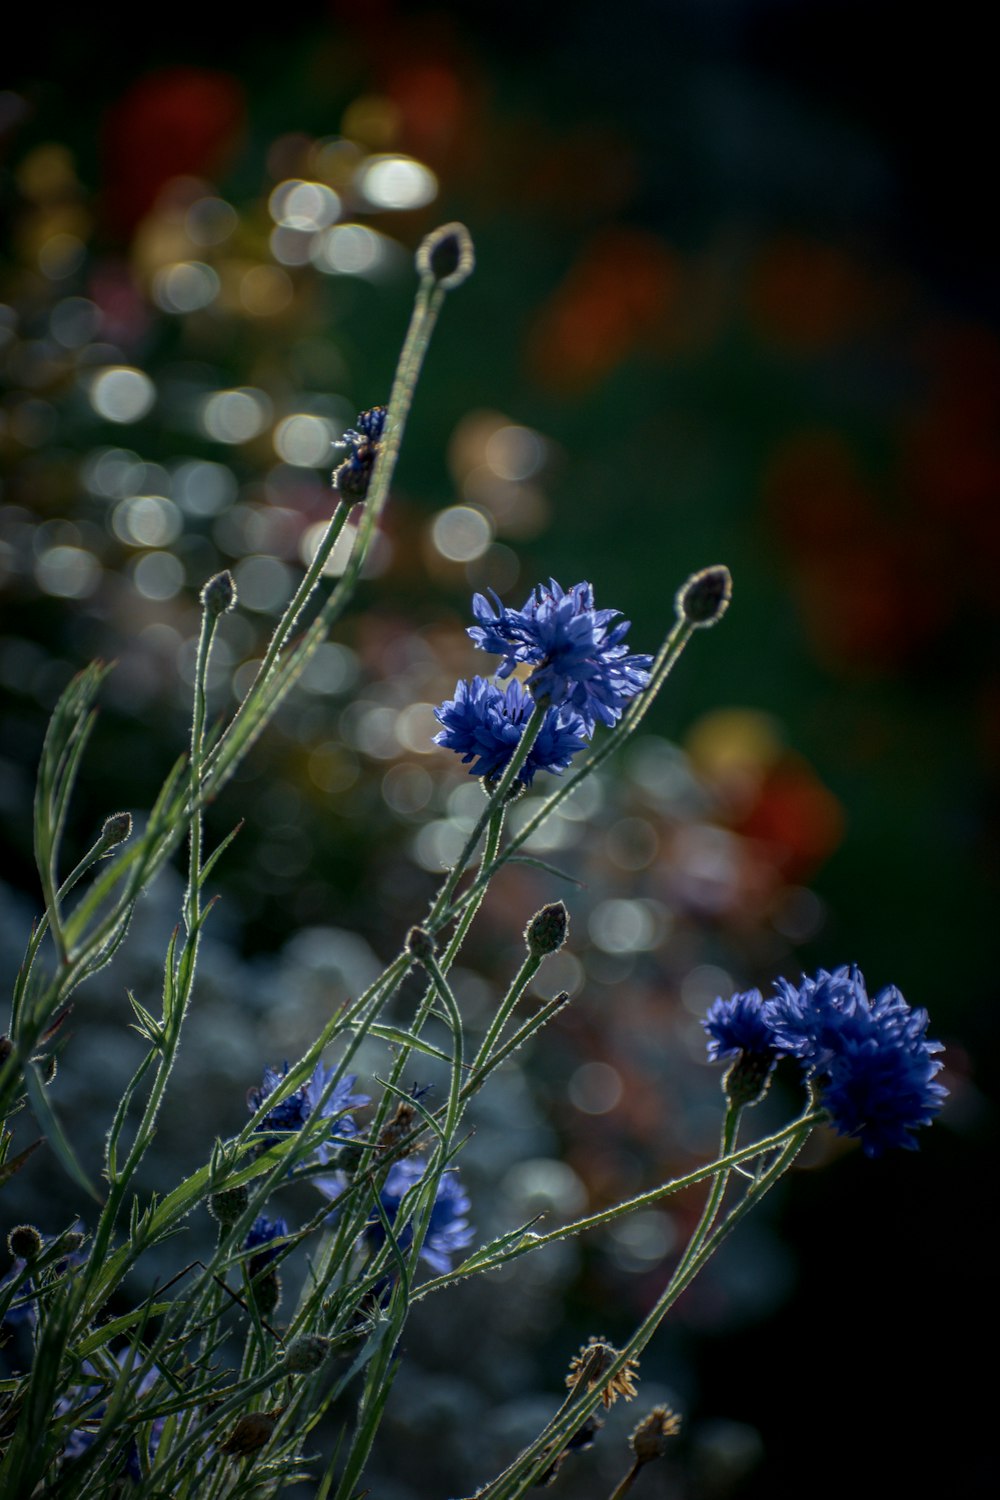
(705, 597)
(446, 256)
(546, 932)
(219, 593)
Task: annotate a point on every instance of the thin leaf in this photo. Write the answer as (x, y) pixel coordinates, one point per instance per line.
(53, 1131)
(17, 1162)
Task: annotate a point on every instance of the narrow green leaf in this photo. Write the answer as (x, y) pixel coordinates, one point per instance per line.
(54, 1133)
(17, 1162)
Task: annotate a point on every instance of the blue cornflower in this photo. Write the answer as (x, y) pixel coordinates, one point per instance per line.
(81, 1438)
(261, 1235)
(739, 1025)
(483, 724)
(448, 1231)
(363, 443)
(293, 1112)
(871, 1060)
(577, 654)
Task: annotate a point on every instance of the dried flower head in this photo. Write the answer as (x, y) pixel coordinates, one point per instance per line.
(591, 1365)
(650, 1438)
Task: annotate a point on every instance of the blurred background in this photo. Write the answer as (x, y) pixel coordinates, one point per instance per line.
(735, 301)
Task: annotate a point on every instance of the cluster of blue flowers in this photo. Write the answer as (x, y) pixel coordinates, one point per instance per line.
(83, 1396)
(448, 1229)
(870, 1059)
(581, 670)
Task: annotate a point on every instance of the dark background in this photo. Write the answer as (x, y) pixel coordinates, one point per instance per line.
(736, 265)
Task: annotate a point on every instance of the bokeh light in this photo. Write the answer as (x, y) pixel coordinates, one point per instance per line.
(122, 394)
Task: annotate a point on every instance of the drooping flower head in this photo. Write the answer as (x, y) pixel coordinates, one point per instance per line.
(292, 1112)
(362, 443)
(577, 653)
(448, 1230)
(483, 724)
(872, 1060)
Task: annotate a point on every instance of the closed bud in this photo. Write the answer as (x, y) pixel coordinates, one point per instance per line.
(25, 1242)
(228, 1203)
(705, 597)
(267, 1291)
(420, 944)
(72, 1240)
(250, 1433)
(546, 932)
(446, 256)
(306, 1354)
(116, 830)
(219, 593)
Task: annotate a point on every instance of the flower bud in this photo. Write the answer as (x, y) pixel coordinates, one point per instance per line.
(24, 1242)
(705, 597)
(446, 256)
(250, 1433)
(267, 1291)
(228, 1203)
(72, 1240)
(116, 830)
(306, 1354)
(219, 593)
(546, 932)
(420, 944)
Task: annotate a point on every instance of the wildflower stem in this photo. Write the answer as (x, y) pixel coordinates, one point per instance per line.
(530, 1242)
(520, 983)
(730, 1130)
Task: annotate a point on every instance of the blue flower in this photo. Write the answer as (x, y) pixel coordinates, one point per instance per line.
(292, 1112)
(483, 724)
(261, 1235)
(363, 444)
(448, 1230)
(871, 1060)
(739, 1025)
(577, 654)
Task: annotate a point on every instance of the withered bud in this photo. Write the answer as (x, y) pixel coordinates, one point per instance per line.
(25, 1242)
(650, 1438)
(420, 944)
(705, 597)
(546, 932)
(251, 1432)
(306, 1354)
(398, 1126)
(219, 593)
(446, 256)
(228, 1204)
(116, 830)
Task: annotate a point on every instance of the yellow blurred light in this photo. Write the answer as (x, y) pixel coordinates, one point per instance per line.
(335, 161)
(60, 255)
(373, 120)
(514, 452)
(122, 394)
(397, 182)
(265, 290)
(47, 172)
